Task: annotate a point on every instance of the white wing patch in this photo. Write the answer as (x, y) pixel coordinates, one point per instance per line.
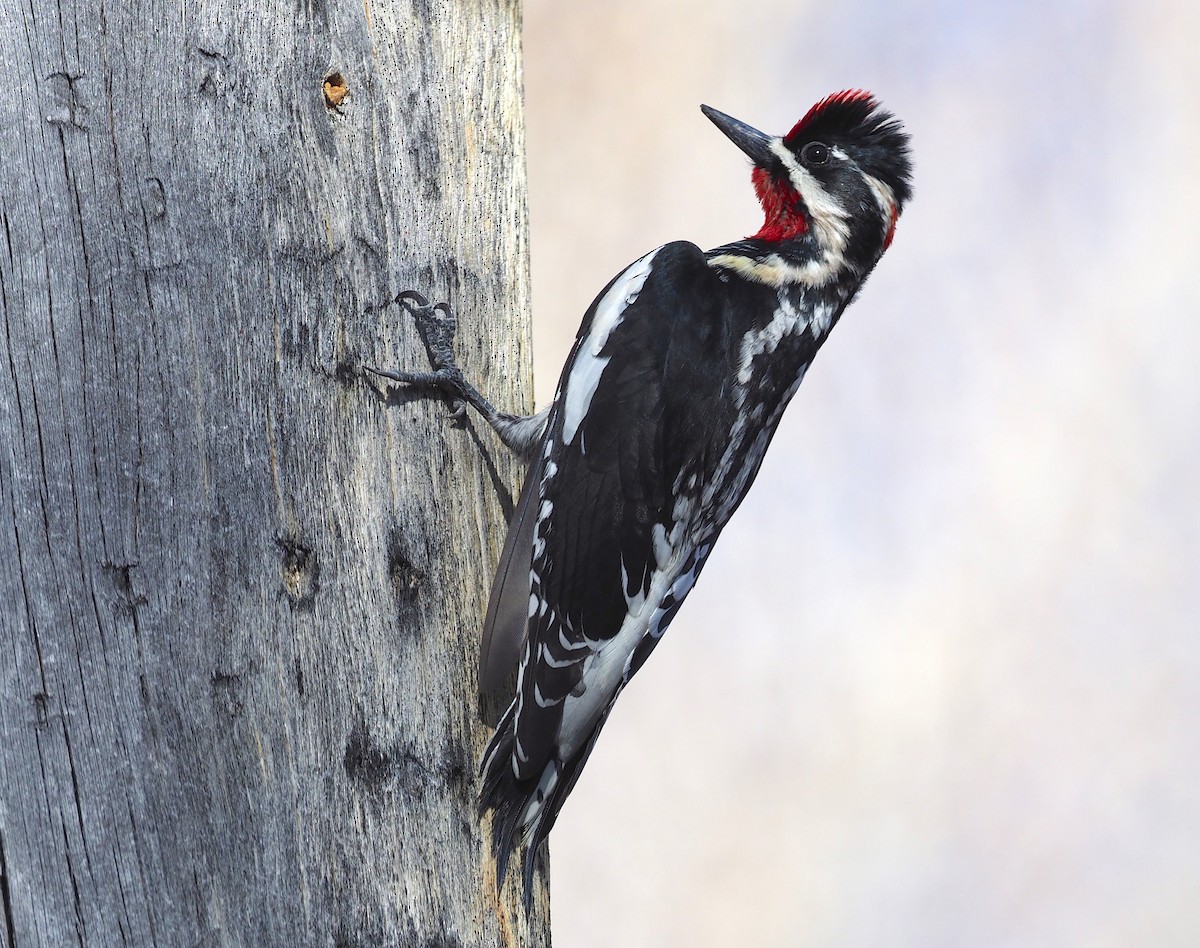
(604, 671)
(589, 363)
(545, 656)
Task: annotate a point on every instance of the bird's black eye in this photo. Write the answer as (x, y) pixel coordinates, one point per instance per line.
(814, 154)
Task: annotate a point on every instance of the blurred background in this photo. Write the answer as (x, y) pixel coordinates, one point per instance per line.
(940, 684)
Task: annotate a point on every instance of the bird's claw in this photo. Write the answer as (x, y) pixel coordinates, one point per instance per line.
(437, 326)
(436, 323)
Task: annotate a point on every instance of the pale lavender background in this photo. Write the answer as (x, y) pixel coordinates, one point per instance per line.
(940, 685)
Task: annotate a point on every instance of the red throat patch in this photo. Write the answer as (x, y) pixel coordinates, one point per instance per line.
(783, 208)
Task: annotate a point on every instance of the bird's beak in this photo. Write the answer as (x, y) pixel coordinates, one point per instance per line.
(754, 143)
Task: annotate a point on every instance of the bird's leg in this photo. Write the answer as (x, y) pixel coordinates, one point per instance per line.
(437, 325)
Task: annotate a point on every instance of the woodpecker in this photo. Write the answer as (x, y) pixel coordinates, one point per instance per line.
(676, 383)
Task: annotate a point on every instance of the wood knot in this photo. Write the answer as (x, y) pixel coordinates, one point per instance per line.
(366, 763)
(300, 572)
(335, 90)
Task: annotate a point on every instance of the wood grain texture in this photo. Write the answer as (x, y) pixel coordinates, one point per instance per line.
(240, 587)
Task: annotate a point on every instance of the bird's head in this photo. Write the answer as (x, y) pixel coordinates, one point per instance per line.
(835, 183)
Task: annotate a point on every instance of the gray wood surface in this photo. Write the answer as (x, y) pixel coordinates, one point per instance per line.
(240, 587)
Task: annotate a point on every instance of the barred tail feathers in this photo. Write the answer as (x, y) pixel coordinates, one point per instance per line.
(524, 811)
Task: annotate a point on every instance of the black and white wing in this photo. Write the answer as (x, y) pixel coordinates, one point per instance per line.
(505, 622)
(607, 527)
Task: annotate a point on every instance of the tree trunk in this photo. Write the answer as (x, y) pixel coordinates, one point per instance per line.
(240, 586)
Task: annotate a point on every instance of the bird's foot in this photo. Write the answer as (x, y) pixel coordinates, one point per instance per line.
(437, 326)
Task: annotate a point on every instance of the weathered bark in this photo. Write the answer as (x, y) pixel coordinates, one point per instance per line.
(240, 588)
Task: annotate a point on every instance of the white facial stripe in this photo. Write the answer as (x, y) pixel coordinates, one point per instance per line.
(830, 220)
(885, 197)
(589, 364)
(883, 194)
